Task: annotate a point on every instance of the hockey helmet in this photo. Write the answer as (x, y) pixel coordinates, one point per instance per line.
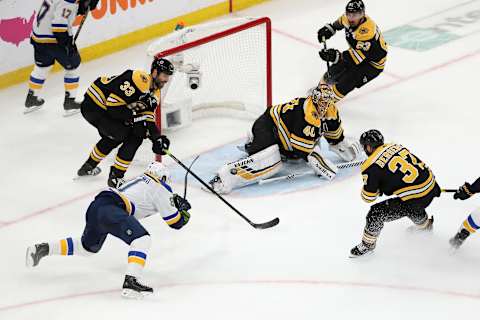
(322, 97)
(159, 171)
(162, 65)
(355, 6)
(373, 138)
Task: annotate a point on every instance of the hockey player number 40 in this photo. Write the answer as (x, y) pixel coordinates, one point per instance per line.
(408, 169)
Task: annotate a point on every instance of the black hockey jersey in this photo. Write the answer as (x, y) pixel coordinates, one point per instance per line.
(366, 42)
(392, 169)
(299, 126)
(122, 95)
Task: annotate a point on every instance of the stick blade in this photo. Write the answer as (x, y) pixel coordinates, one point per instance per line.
(266, 225)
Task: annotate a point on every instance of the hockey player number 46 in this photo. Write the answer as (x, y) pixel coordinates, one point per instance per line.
(408, 169)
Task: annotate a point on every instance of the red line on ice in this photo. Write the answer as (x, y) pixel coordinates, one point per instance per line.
(325, 283)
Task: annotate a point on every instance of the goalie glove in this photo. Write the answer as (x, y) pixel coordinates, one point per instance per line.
(346, 150)
(322, 166)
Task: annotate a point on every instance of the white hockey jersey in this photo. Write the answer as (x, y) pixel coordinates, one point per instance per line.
(146, 195)
(54, 16)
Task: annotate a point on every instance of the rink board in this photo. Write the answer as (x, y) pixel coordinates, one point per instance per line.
(210, 161)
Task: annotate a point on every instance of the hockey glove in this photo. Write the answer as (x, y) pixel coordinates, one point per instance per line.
(464, 192)
(326, 32)
(330, 55)
(160, 144)
(180, 203)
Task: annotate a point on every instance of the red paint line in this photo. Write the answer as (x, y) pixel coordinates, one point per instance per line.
(48, 209)
(325, 283)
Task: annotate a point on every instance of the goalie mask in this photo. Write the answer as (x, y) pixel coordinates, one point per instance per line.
(322, 96)
(159, 171)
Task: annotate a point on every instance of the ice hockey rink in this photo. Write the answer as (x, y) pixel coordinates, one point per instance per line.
(218, 267)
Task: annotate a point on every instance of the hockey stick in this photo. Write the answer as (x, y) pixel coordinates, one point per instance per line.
(449, 190)
(265, 225)
(80, 26)
(325, 48)
(292, 176)
(186, 177)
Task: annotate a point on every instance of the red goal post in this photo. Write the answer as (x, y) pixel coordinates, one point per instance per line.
(234, 63)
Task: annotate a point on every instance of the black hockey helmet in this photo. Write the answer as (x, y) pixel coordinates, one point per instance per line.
(162, 65)
(373, 138)
(354, 6)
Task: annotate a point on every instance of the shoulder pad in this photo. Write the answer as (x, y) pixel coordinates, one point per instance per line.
(373, 157)
(343, 21)
(366, 31)
(142, 80)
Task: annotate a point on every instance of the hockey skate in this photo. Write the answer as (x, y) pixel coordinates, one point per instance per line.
(361, 250)
(32, 102)
(132, 289)
(88, 170)
(459, 238)
(427, 226)
(115, 180)
(70, 106)
(35, 254)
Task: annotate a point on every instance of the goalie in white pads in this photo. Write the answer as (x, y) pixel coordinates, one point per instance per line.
(116, 212)
(290, 131)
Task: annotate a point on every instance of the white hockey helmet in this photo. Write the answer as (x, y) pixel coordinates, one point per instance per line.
(159, 171)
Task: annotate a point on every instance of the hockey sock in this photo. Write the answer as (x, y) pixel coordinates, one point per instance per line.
(471, 224)
(369, 239)
(120, 166)
(68, 247)
(96, 156)
(37, 78)
(71, 80)
(137, 255)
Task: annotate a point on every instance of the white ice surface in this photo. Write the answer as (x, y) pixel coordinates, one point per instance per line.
(218, 267)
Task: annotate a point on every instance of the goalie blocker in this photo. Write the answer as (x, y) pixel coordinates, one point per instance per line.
(290, 131)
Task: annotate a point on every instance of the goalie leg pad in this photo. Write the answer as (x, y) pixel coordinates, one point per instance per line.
(347, 150)
(246, 171)
(322, 166)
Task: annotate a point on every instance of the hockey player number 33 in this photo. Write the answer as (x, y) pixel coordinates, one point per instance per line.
(127, 88)
(408, 169)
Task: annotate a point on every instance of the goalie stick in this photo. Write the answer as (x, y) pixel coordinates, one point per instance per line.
(292, 176)
(264, 225)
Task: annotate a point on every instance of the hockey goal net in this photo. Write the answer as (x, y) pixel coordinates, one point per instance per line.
(222, 69)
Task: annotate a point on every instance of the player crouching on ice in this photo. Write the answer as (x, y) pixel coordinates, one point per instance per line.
(290, 131)
(391, 169)
(116, 212)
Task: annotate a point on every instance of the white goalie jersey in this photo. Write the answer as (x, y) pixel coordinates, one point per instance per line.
(147, 196)
(54, 16)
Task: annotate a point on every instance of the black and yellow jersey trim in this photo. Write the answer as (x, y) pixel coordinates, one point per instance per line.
(417, 191)
(369, 196)
(374, 156)
(283, 132)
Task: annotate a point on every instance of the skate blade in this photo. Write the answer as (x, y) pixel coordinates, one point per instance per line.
(69, 113)
(31, 109)
(366, 254)
(28, 257)
(132, 294)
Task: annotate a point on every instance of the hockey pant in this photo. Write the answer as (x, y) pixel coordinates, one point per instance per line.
(394, 208)
(345, 79)
(113, 133)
